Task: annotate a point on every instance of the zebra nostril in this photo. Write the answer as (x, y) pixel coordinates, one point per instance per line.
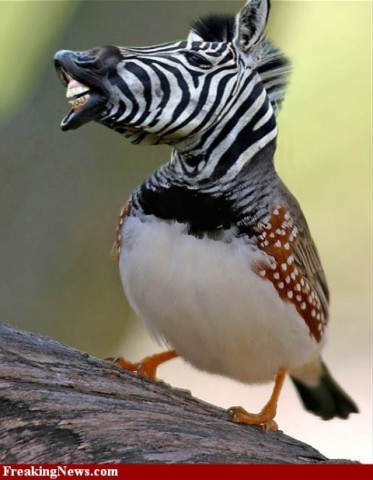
(84, 58)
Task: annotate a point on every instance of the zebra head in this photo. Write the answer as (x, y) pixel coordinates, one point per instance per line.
(175, 92)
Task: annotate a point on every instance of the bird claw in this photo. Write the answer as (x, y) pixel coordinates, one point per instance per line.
(147, 367)
(270, 426)
(235, 414)
(240, 415)
(138, 367)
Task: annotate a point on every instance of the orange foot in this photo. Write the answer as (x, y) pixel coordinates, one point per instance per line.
(148, 366)
(266, 417)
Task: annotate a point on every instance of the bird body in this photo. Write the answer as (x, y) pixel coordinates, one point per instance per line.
(204, 299)
(214, 252)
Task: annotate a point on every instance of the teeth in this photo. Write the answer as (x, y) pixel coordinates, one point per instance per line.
(73, 92)
(79, 102)
(75, 88)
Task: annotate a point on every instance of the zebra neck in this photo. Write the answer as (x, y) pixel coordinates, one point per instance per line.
(211, 207)
(221, 178)
(245, 127)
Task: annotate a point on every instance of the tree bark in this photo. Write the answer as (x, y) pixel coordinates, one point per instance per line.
(58, 405)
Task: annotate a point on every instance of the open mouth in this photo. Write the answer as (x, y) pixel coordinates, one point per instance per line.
(77, 94)
(85, 96)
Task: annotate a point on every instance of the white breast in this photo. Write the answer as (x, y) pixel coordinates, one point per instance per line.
(204, 300)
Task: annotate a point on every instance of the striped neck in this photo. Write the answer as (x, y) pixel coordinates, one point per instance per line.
(210, 207)
(218, 181)
(245, 127)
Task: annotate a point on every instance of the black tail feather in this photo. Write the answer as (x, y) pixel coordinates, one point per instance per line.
(327, 399)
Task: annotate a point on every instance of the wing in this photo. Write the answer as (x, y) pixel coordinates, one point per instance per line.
(125, 211)
(308, 261)
(293, 265)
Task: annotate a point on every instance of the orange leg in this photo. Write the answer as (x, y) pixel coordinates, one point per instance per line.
(268, 413)
(148, 366)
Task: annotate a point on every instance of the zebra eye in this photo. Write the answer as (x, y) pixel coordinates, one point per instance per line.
(197, 60)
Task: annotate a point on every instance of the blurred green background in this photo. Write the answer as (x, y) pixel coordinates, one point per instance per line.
(60, 193)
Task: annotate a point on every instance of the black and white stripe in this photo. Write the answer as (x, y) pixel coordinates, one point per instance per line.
(216, 104)
(213, 97)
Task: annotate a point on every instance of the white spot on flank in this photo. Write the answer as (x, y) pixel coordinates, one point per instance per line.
(287, 246)
(298, 297)
(262, 273)
(303, 306)
(290, 294)
(281, 285)
(276, 276)
(287, 279)
(278, 244)
(313, 313)
(276, 211)
(284, 266)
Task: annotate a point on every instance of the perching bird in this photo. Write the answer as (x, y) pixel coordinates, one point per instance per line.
(214, 252)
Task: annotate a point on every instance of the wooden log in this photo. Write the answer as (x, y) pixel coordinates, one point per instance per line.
(59, 405)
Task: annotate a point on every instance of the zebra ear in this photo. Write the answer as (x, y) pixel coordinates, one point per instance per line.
(250, 23)
(194, 37)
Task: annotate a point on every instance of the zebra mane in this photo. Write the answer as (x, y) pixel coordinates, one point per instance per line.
(274, 69)
(271, 64)
(215, 28)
